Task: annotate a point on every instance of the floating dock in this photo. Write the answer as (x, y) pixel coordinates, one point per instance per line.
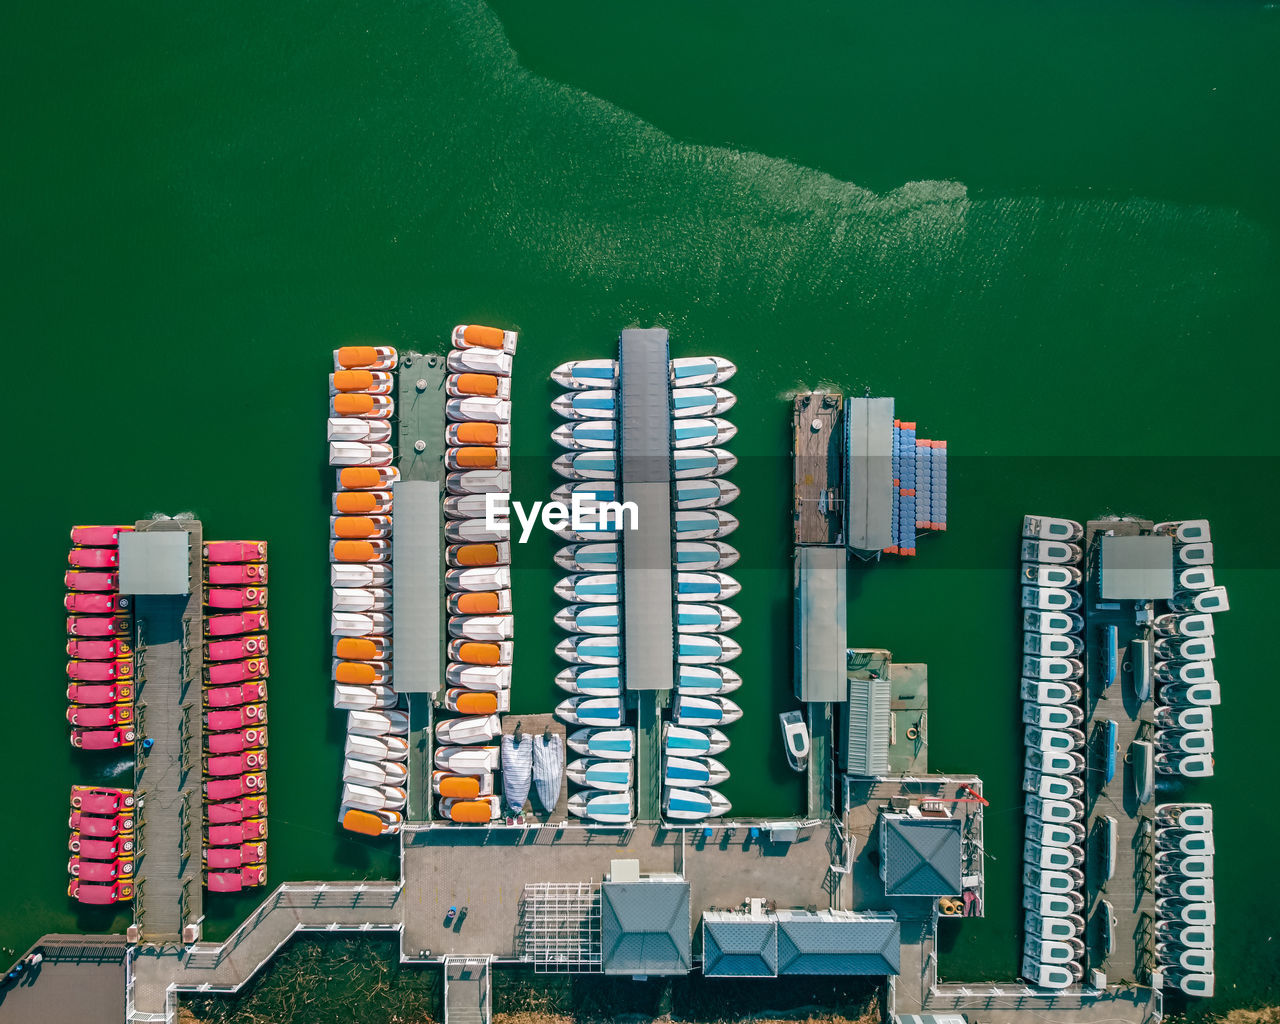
(818, 509)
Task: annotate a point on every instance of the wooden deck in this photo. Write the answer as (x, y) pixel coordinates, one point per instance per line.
(817, 469)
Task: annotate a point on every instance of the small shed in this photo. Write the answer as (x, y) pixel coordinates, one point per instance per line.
(155, 563)
(1137, 568)
(867, 726)
(739, 945)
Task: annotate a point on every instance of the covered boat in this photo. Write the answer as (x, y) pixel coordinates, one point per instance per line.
(93, 558)
(373, 798)
(1143, 669)
(471, 652)
(375, 773)
(375, 382)
(487, 678)
(358, 428)
(96, 604)
(703, 524)
(464, 787)
(377, 550)
(611, 744)
(378, 723)
(476, 432)
(593, 557)
(377, 748)
(98, 536)
(517, 770)
(589, 650)
(593, 619)
(701, 463)
(1109, 749)
(1142, 757)
(479, 360)
(379, 822)
(548, 768)
(476, 409)
(1109, 834)
(366, 478)
(477, 385)
(485, 628)
(594, 404)
(589, 587)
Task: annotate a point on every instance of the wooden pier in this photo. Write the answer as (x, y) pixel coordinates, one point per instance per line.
(818, 483)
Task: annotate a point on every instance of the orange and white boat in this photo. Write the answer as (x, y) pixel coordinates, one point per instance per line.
(360, 551)
(467, 556)
(374, 382)
(356, 453)
(362, 648)
(362, 404)
(469, 652)
(477, 457)
(362, 673)
(479, 811)
(477, 702)
(479, 336)
(371, 823)
(359, 527)
(367, 478)
(483, 602)
(361, 503)
(365, 357)
(461, 787)
(477, 385)
(491, 434)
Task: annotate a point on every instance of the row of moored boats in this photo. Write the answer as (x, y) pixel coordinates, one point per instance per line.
(1185, 912)
(102, 845)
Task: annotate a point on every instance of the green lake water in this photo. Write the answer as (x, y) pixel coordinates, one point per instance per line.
(1049, 230)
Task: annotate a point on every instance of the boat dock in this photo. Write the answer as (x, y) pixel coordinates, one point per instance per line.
(1128, 892)
(818, 474)
(169, 901)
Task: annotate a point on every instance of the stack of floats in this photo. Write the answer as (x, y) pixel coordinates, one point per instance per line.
(478, 578)
(1184, 896)
(1181, 658)
(919, 487)
(100, 630)
(605, 770)
(374, 774)
(101, 845)
(235, 715)
(1053, 779)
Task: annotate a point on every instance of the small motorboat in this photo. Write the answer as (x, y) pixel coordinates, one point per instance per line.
(1057, 928)
(1176, 648)
(1198, 890)
(1193, 959)
(364, 698)
(693, 772)
(1193, 718)
(359, 527)
(1188, 936)
(100, 894)
(103, 739)
(1055, 669)
(588, 557)
(100, 717)
(96, 604)
(1185, 531)
(705, 711)
(1051, 976)
(1189, 766)
(477, 385)
(1142, 757)
(375, 773)
(1037, 574)
(684, 741)
(1052, 904)
(1107, 918)
(476, 506)
(695, 649)
(231, 812)
(478, 410)
(375, 382)
(1208, 602)
(237, 880)
(235, 718)
(1053, 811)
(597, 712)
(236, 649)
(1192, 817)
(101, 826)
(1049, 528)
(235, 625)
(233, 788)
(235, 551)
(486, 678)
(592, 619)
(479, 360)
(1108, 733)
(1055, 882)
(589, 681)
(1052, 645)
(701, 401)
(93, 558)
(1191, 694)
(374, 798)
(1052, 716)
(1051, 552)
(1143, 669)
(477, 457)
(1050, 599)
(377, 748)
(611, 744)
(704, 492)
(92, 582)
(701, 555)
(485, 628)
(235, 598)
(224, 765)
(468, 556)
(101, 800)
(610, 776)
(1172, 908)
(1185, 741)
(246, 574)
(1044, 692)
(1195, 554)
(357, 428)
(478, 336)
(235, 741)
(462, 787)
(586, 374)
(517, 769)
(703, 524)
(474, 811)
(471, 729)
(590, 588)
(471, 652)
(89, 626)
(701, 432)
(1197, 577)
(98, 536)
(476, 531)
(602, 807)
(473, 702)
(365, 478)
(1187, 672)
(1053, 741)
(1195, 984)
(355, 453)
(467, 760)
(377, 723)
(1052, 622)
(364, 357)
(706, 680)
(1199, 624)
(1053, 951)
(1067, 833)
(706, 586)
(548, 768)
(1052, 787)
(1052, 858)
(223, 673)
(587, 465)
(476, 432)
(246, 831)
(100, 671)
(693, 804)
(595, 404)
(701, 463)
(589, 650)
(587, 435)
(700, 371)
(478, 579)
(359, 624)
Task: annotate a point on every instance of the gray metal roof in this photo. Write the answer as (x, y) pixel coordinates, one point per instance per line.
(645, 927)
(415, 594)
(838, 942)
(645, 440)
(739, 946)
(867, 725)
(155, 562)
(1137, 568)
(920, 856)
(869, 472)
(820, 623)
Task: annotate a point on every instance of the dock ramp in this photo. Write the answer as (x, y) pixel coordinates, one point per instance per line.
(467, 990)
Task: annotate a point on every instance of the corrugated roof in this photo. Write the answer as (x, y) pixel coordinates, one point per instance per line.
(1136, 568)
(738, 946)
(820, 623)
(830, 942)
(868, 448)
(866, 748)
(645, 927)
(921, 856)
(415, 595)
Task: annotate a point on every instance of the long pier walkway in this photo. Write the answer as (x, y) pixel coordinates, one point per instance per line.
(170, 647)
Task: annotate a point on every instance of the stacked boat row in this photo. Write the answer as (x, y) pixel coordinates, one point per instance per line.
(374, 773)
(1053, 777)
(100, 642)
(1181, 658)
(919, 487)
(1185, 911)
(478, 578)
(235, 715)
(102, 845)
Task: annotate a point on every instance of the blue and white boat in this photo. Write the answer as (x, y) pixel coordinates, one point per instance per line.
(589, 588)
(705, 680)
(602, 557)
(1110, 655)
(683, 741)
(596, 404)
(602, 774)
(703, 524)
(587, 435)
(599, 806)
(611, 744)
(700, 555)
(597, 712)
(590, 681)
(701, 371)
(695, 649)
(595, 619)
(701, 401)
(692, 772)
(586, 374)
(1109, 748)
(706, 586)
(701, 432)
(705, 618)
(699, 463)
(693, 804)
(589, 650)
(592, 465)
(706, 492)
(587, 490)
(705, 711)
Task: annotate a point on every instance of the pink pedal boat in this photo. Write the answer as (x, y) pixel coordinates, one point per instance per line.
(100, 871)
(230, 789)
(93, 558)
(101, 826)
(236, 575)
(234, 881)
(100, 849)
(233, 696)
(233, 835)
(235, 551)
(99, 693)
(234, 650)
(232, 812)
(101, 800)
(99, 625)
(98, 536)
(98, 650)
(235, 718)
(222, 673)
(233, 625)
(99, 717)
(95, 604)
(236, 741)
(100, 671)
(236, 598)
(85, 892)
(235, 856)
(102, 739)
(224, 765)
(92, 582)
